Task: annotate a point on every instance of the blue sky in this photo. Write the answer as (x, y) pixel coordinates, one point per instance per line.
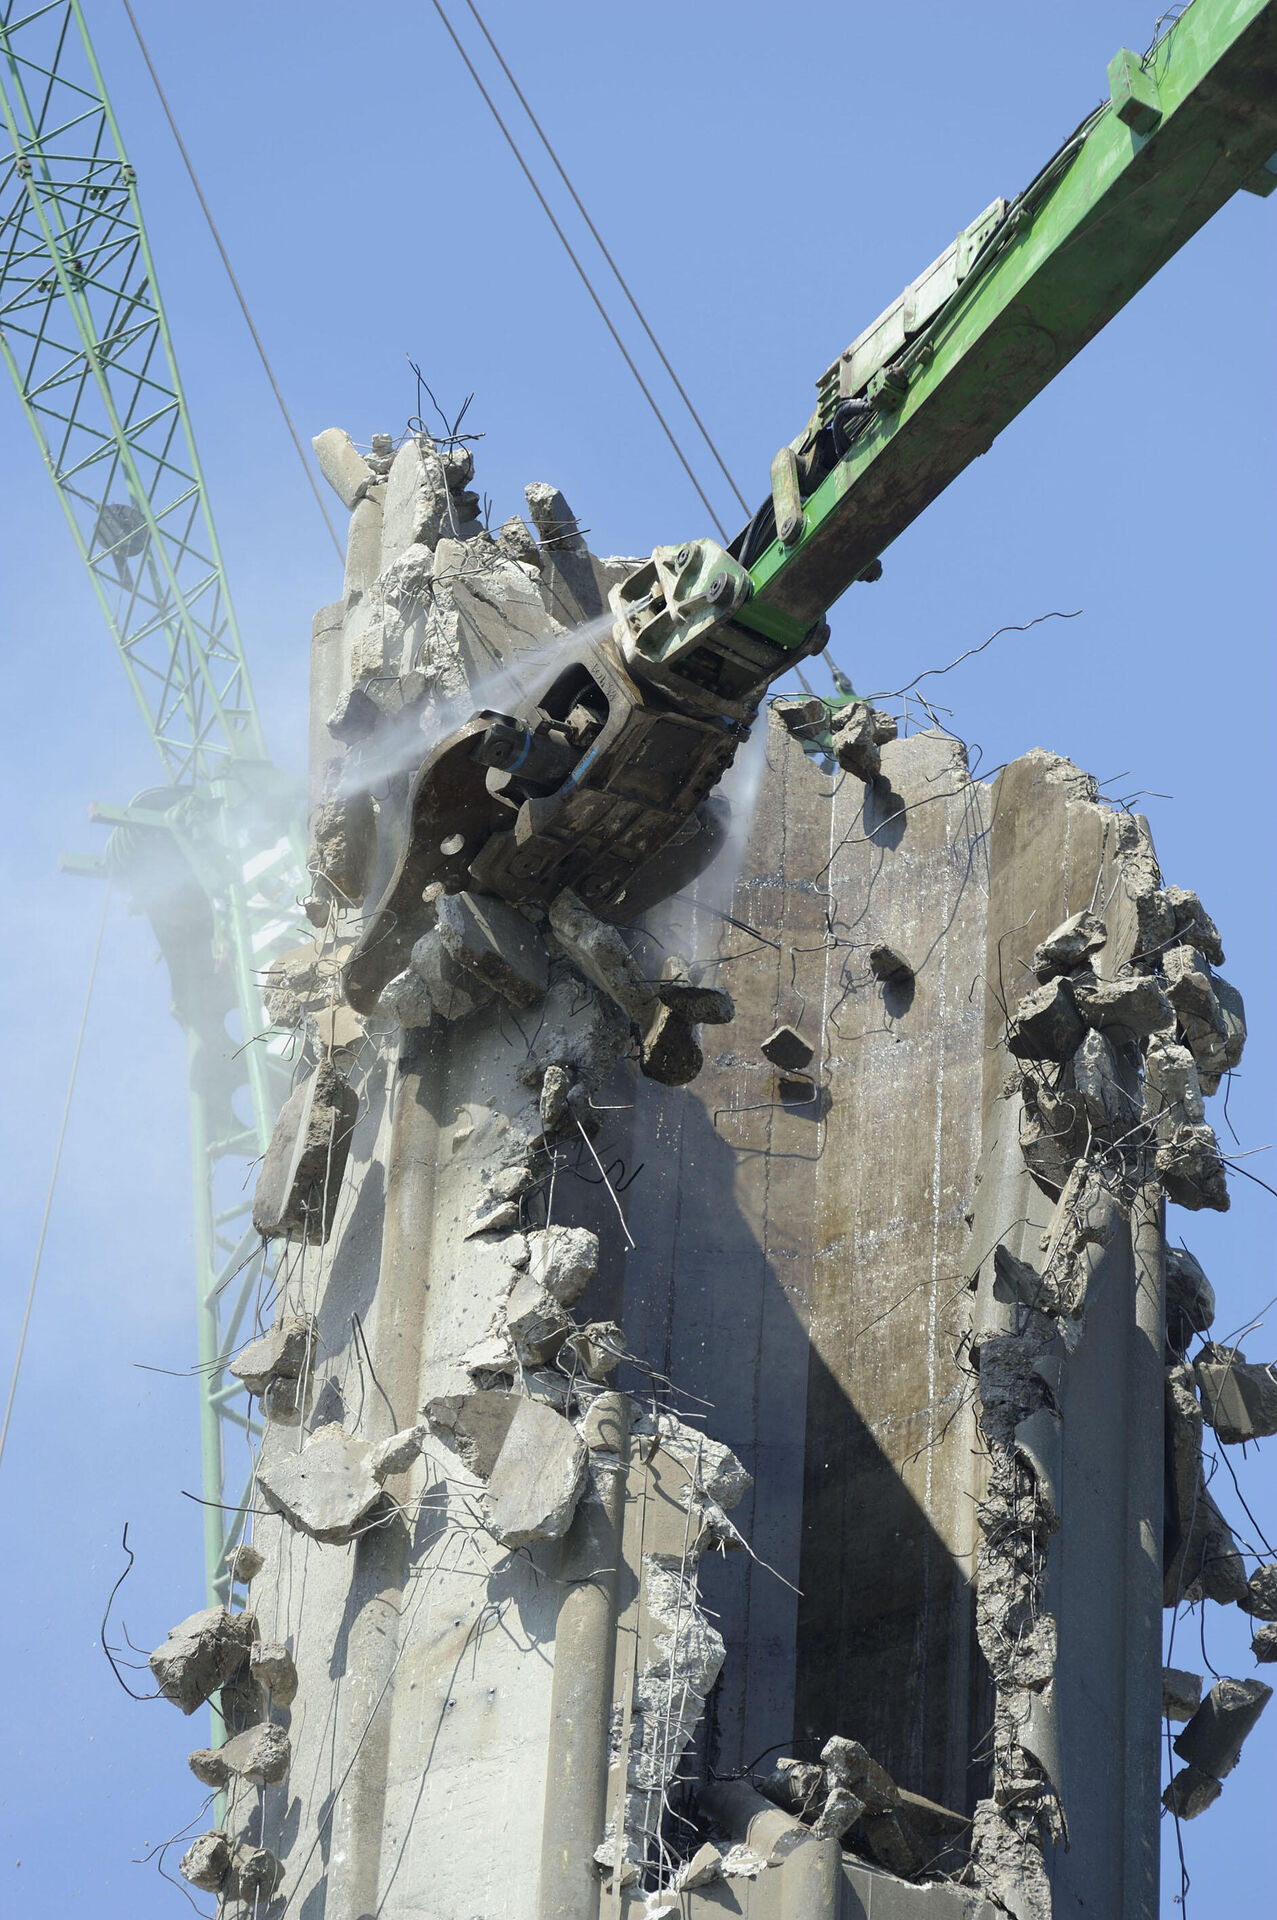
(769, 179)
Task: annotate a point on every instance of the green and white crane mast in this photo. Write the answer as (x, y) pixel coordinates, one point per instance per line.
(212, 855)
(610, 762)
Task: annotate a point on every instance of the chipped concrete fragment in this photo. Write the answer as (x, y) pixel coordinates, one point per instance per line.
(849, 1764)
(1233, 1010)
(1070, 946)
(206, 1862)
(552, 1102)
(670, 1054)
(327, 1490)
(516, 541)
(280, 1354)
(1172, 1087)
(787, 1049)
(300, 1181)
(1098, 1082)
(598, 1348)
(1181, 1693)
(473, 1425)
(1194, 925)
(1046, 1024)
(1239, 1399)
(842, 1808)
(342, 465)
(889, 966)
(271, 1665)
(260, 1755)
(796, 1785)
(599, 952)
(553, 518)
(208, 1766)
(1189, 1167)
(704, 1867)
(1007, 1859)
(1190, 1792)
(855, 747)
(537, 1478)
(563, 1260)
(535, 1321)
(1260, 1598)
(1134, 1001)
(681, 989)
(1264, 1644)
(1190, 991)
(243, 1564)
(254, 1874)
(396, 1453)
(200, 1653)
(455, 992)
(1214, 1736)
(405, 999)
(1201, 1556)
(711, 1468)
(343, 844)
(1190, 1299)
(494, 940)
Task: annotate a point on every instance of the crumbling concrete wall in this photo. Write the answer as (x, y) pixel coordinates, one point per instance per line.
(832, 1427)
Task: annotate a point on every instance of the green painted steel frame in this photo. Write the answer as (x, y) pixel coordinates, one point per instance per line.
(1098, 222)
(85, 338)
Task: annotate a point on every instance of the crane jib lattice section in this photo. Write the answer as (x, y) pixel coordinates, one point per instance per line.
(84, 335)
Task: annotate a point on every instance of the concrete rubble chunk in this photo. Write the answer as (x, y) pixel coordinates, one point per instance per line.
(889, 966)
(301, 1177)
(709, 1465)
(704, 1867)
(517, 542)
(396, 1453)
(355, 716)
(556, 1083)
(563, 1260)
(1070, 946)
(208, 1766)
(1170, 1078)
(537, 1478)
(1190, 1169)
(1190, 1299)
(1194, 925)
(342, 465)
(200, 1653)
(1239, 1398)
(1260, 1599)
(254, 1874)
(327, 1490)
(473, 1425)
(841, 1810)
(804, 716)
(455, 992)
(244, 1563)
(206, 1862)
(1233, 1010)
(280, 1354)
(271, 1665)
(786, 1049)
(849, 1764)
(553, 518)
(1190, 1792)
(240, 1701)
(343, 845)
(535, 1321)
(1098, 1081)
(885, 726)
(1046, 1025)
(598, 1348)
(260, 1755)
(1214, 1736)
(681, 989)
(1201, 1556)
(494, 940)
(1191, 992)
(1181, 1693)
(405, 999)
(894, 1844)
(1264, 1644)
(671, 1054)
(600, 953)
(796, 1785)
(855, 747)
(1133, 1001)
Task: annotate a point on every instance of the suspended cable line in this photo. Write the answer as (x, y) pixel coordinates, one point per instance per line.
(621, 280)
(57, 1162)
(230, 274)
(513, 145)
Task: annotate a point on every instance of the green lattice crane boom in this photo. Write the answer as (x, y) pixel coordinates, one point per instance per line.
(212, 856)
